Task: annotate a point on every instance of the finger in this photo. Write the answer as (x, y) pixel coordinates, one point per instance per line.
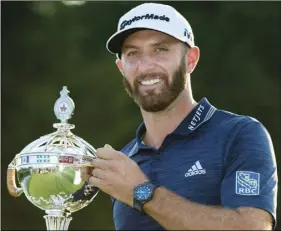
(94, 181)
(85, 173)
(108, 154)
(100, 163)
(86, 170)
(99, 173)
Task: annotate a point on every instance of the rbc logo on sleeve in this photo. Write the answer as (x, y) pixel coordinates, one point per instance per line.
(247, 183)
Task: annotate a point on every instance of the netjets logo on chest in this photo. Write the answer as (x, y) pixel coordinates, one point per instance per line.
(195, 169)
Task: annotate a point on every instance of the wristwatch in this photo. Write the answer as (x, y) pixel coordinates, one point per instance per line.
(142, 194)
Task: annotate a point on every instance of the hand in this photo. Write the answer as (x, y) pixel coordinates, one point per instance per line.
(115, 174)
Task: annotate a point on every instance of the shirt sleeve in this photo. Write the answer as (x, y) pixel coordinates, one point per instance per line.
(250, 172)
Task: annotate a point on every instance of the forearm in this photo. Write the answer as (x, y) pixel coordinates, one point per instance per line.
(177, 213)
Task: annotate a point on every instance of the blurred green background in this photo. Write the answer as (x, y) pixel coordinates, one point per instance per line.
(47, 45)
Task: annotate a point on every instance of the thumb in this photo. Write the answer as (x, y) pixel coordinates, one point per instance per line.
(107, 146)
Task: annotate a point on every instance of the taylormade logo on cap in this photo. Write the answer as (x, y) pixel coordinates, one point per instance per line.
(147, 16)
(153, 16)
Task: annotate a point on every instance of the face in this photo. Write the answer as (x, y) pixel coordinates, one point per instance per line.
(154, 66)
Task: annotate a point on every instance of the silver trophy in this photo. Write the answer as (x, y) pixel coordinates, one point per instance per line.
(48, 170)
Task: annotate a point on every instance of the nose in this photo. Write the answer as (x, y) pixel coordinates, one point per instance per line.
(144, 64)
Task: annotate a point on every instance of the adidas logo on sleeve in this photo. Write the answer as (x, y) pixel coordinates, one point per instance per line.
(195, 169)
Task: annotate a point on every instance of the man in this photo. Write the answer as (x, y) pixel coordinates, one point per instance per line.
(191, 165)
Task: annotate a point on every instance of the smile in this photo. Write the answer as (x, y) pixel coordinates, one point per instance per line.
(150, 82)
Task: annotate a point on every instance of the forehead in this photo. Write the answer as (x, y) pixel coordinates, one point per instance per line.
(149, 36)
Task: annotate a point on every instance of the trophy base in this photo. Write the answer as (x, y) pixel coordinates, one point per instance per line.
(56, 220)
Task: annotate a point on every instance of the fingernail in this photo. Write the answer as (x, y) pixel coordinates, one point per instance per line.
(107, 146)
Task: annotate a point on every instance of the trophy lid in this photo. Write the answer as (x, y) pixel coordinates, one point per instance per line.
(64, 106)
(62, 141)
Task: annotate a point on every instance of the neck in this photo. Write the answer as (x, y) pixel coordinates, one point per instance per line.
(160, 124)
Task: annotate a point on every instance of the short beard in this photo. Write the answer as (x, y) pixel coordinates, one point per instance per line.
(153, 102)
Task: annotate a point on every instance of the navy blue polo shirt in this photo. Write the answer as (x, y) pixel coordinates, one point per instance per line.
(213, 157)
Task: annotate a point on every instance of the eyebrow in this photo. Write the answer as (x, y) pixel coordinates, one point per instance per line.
(162, 42)
(130, 46)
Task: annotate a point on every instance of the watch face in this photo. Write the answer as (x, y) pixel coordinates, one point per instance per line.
(143, 192)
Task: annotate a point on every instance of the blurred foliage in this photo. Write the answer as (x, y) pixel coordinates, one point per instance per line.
(47, 45)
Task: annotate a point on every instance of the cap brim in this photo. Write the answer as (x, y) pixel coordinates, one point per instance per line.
(115, 42)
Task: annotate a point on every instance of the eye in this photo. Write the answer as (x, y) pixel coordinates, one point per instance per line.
(132, 53)
(160, 49)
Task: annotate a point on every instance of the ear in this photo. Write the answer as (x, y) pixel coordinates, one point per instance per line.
(193, 55)
(119, 65)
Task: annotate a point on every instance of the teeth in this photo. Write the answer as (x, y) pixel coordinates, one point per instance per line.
(150, 82)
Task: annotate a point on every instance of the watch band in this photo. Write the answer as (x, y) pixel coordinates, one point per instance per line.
(138, 205)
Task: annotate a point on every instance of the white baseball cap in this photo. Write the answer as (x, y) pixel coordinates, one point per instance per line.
(155, 16)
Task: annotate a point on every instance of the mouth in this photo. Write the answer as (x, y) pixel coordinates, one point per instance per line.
(150, 82)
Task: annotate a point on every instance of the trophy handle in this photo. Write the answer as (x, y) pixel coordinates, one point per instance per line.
(11, 180)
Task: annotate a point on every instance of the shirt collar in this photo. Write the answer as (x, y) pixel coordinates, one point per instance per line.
(199, 115)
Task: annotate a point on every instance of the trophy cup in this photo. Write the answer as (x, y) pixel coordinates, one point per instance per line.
(48, 170)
